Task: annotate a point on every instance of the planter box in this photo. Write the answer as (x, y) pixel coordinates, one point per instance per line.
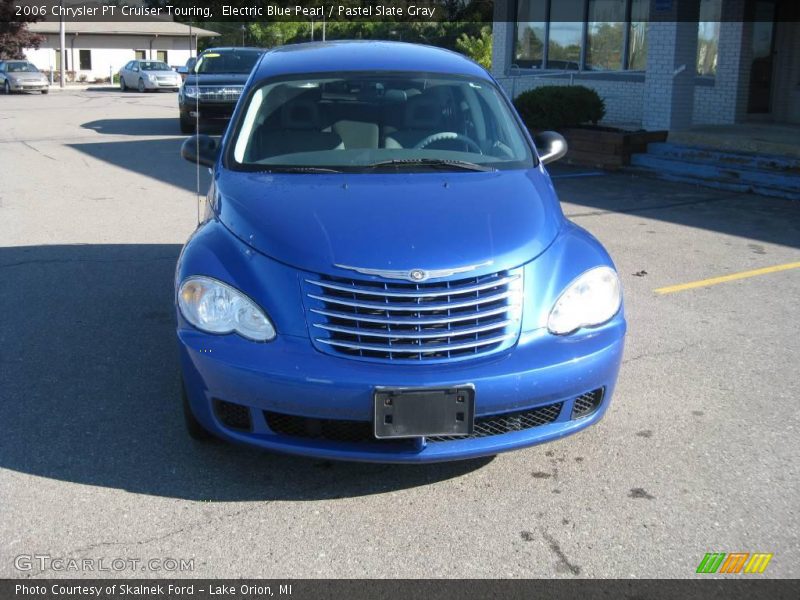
(607, 148)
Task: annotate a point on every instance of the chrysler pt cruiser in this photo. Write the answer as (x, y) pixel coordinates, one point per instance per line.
(384, 272)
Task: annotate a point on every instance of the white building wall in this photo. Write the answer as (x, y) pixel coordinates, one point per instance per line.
(668, 95)
(108, 52)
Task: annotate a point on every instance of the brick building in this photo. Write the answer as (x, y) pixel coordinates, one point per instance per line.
(659, 64)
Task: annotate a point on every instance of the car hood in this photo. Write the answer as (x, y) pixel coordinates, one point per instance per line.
(424, 221)
(27, 76)
(217, 78)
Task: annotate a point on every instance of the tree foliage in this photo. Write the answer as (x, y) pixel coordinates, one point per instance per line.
(14, 33)
(478, 48)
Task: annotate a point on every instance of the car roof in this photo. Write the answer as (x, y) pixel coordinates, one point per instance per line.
(364, 55)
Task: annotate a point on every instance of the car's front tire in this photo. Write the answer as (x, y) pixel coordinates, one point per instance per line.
(193, 427)
(122, 86)
(140, 86)
(7, 88)
(45, 91)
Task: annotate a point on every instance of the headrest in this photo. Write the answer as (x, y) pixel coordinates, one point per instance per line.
(423, 112)
(395, 96)
(301, 114)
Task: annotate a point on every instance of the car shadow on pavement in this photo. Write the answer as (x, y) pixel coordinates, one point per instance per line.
(147, 126)
(158, 159)
(751, 216)
(90, 388)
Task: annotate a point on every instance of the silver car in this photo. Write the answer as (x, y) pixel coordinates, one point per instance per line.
(144, 75)
(22, 76)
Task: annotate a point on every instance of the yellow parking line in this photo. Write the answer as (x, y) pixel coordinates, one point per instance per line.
(725, 278)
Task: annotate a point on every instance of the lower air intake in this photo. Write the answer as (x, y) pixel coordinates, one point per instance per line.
(586, 404)
(233, 416)
(336, 430)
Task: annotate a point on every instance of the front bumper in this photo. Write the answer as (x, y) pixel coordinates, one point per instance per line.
(162, 84)
(209, 111)
(288, 376)
(28, 86)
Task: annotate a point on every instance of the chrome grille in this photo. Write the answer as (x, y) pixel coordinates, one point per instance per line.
(413, 322)
(225, 93)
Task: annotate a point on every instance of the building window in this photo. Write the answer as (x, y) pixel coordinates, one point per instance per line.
(605, 42)
(162, 56)
(565, 38)
(530, 35)
(708, 36)
(85, 59)
(597, 35)
(637, 35)
(140, 54)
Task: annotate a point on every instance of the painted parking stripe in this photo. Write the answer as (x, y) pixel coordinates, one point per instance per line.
(725, 278)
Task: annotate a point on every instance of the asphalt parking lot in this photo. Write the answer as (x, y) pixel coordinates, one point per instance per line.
(698, 453)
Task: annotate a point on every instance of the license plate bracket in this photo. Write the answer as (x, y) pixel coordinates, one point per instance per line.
(418, 412)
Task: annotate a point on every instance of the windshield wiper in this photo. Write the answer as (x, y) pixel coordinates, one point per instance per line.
(282, 169)
(430, 162)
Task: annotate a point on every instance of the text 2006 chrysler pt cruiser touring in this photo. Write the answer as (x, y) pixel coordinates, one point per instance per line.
(384, 272)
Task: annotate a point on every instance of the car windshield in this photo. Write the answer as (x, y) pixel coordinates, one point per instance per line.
(229, 61)
(362, 122)
(153, 65)
(21, 67)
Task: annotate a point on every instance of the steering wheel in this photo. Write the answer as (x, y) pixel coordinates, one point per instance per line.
(448, 135)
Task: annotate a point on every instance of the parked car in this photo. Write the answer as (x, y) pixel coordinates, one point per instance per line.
(148, 75)
(22, 76)
(384, 272)
(213, 86)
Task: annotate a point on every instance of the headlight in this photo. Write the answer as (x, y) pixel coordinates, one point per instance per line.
(215, 307)
(151, 77)
(592, 299)
(190, 92)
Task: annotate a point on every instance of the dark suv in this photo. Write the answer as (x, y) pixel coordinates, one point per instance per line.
(211, 90)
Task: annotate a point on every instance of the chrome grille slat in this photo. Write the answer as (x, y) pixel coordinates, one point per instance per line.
(416, 348)
(415, 307)
(414, 322)
(366, 291)
(416, 335)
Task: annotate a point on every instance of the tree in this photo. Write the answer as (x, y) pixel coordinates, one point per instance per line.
(14, 34)
(478, 48)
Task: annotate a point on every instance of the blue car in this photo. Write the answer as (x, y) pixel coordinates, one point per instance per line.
(384, 272)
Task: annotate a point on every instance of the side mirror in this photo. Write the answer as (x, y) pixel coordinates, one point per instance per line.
(550, 145)
(182, 70)
(200, 148)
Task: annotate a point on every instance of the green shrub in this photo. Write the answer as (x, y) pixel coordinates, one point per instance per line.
(559, 107)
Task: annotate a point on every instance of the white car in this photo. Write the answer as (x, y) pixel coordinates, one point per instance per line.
(144, 75)
(22, 76)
